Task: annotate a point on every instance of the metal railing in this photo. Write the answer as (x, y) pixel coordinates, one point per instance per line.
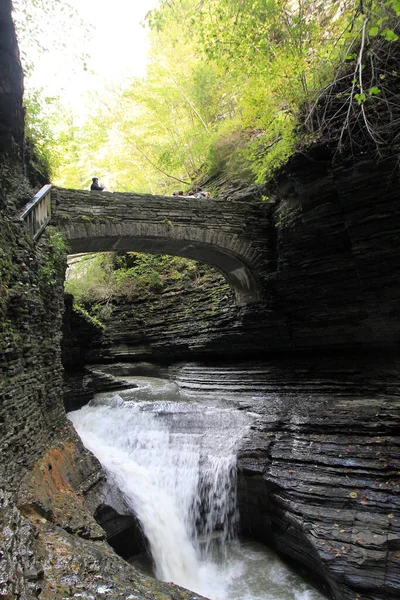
(37, 213)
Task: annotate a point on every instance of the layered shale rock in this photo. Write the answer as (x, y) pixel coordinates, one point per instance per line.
(43, 560)
(11, 76)
(337, 252)
(51, 487)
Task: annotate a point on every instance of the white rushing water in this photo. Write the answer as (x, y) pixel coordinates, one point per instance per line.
(175, 463)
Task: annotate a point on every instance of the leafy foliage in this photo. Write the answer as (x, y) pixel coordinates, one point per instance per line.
(359, 111)
(53, 261)
(88, 317)
(232, 87)
(226, 83)
(276, 53)
(104, 277)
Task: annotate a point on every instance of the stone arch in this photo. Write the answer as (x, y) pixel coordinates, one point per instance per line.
(237, 273)
(214, 233)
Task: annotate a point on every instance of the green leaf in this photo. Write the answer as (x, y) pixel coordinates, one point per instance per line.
(360, 98)
(374, 90)
(396, 6)
(373, 31)
(389, 35)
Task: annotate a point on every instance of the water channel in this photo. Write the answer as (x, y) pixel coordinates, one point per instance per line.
(172, 455)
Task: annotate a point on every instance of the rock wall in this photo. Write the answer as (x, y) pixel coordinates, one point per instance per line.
(11, 88)
(320, 476)
(50, 543)
(31, 374)
(337, 254)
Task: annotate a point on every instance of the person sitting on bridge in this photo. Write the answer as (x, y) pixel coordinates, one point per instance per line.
(95, 187)
(202, 194)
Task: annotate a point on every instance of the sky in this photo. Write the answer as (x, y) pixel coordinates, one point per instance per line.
(118, 43)
(117, 47)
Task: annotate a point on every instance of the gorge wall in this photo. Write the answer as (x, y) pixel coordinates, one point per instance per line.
(335, 284)
(11, 110)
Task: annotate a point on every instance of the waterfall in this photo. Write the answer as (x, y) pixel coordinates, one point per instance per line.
(175, 463)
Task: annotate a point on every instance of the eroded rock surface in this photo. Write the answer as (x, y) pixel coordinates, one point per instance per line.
(40, 559)
(50, 544)
(11, 110)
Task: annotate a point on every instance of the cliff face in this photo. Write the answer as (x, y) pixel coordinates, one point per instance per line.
(11, 111)
(337, 276)
(50, 544)
(319, 472)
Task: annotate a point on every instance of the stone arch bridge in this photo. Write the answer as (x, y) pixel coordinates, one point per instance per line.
(229, 234)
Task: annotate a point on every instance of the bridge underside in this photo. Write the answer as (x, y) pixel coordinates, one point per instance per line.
(237, 273)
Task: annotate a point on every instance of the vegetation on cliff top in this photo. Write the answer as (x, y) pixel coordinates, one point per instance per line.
(225, 86)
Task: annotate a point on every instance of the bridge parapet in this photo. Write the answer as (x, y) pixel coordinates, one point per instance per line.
(227, 234)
